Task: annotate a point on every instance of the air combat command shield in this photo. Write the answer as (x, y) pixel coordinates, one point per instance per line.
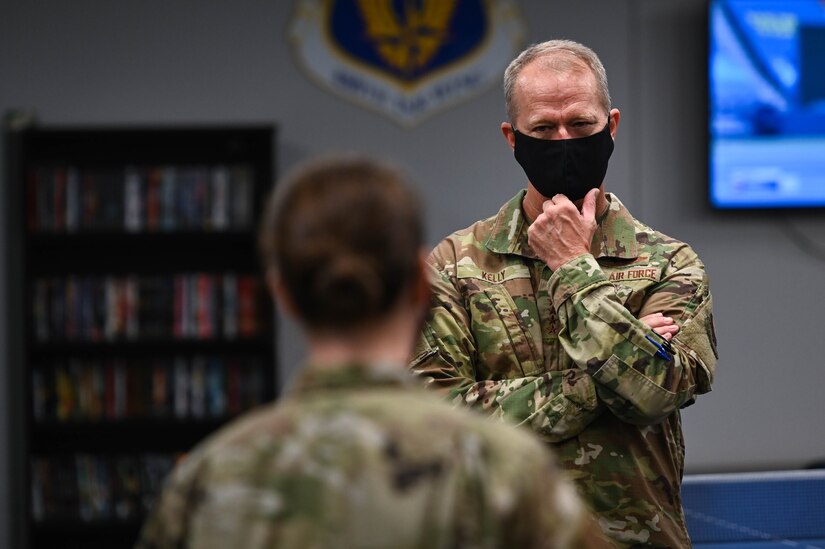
(406, 58)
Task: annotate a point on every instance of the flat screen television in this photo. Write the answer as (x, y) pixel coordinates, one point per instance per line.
(766, 68)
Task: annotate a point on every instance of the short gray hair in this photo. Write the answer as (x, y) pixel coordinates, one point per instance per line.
(558, 49)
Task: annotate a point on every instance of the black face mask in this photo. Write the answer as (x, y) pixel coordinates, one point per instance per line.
(565, 166)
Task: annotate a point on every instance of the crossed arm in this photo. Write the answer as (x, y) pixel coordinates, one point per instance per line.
(620, 361)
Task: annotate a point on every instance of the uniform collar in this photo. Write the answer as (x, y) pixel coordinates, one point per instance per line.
(351, 376)
(615, 235)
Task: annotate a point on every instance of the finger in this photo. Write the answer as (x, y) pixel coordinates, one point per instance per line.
(656, 319)
(589, 204)
(650, 316)
(560, 199)
(666, 332)
(662, 330)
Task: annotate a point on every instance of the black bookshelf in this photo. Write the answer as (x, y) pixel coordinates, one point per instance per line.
(138, 317)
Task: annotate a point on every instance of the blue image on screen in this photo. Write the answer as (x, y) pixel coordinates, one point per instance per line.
(767, 103)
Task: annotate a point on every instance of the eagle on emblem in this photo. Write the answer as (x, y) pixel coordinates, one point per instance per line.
(407, 41)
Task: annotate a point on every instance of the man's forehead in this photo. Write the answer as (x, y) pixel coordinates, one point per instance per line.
(575, 79)
(559, 67)
(561, 62)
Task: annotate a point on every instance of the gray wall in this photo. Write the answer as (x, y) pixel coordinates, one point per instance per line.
(97, 62)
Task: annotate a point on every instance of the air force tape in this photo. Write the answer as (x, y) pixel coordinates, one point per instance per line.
(406, 58)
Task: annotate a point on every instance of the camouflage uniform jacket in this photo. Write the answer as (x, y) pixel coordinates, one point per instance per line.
(365, 457)
(563, 353)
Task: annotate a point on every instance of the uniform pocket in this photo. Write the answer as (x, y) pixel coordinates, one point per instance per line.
(503, 336)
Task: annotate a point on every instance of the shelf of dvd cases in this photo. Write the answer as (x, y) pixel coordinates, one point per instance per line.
(96, 308)
(71, 199)
(140, 319)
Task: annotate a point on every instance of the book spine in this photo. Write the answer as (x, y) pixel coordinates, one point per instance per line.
(73, 203)
(168, 199)
(219, 210)
(133, 200)
(242, 190)
(181, 369)
(230, 306)
(197, 405)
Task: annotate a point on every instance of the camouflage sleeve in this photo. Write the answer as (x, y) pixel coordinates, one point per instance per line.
(166, 526)
(556, 405)
(640, 383)
(550, 513)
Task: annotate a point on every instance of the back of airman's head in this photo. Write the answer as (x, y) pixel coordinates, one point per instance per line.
(344, 235)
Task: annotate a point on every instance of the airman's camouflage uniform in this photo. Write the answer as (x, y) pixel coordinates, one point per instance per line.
(565, 354)
(361, 457)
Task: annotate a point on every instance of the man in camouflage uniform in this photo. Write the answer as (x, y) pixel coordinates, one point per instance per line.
(358, 454)
(567, 315)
